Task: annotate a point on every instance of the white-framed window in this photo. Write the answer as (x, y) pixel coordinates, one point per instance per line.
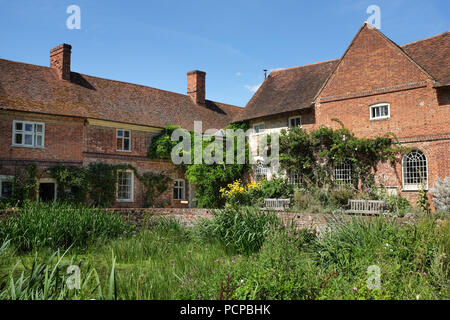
(123, 140)
(414, 170)
(178, 189)
(6, 185)
(294, 177)
(380, 111)
(260, 172)
(258, 127)
(343, 173)
(125, 183)
(295, 121)
(28, 134)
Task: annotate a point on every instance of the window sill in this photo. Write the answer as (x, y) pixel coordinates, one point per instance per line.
(23, 146)
(123, 151)
(380, 118)
(125, 200)
(412, 189)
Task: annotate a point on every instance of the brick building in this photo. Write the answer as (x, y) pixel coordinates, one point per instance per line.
(374, 88)
(52, 115)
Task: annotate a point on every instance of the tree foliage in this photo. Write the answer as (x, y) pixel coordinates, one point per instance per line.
(207, 178)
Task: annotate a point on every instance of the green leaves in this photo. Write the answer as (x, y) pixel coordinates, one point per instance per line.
(318, 152)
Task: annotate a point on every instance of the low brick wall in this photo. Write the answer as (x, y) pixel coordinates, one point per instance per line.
(186, 216)
(183, 215)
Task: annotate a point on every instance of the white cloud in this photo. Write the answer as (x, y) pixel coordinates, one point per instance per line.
(252, 88)
(238, 74)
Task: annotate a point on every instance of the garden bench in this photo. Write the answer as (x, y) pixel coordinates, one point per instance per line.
(276, 204)
(366, 206)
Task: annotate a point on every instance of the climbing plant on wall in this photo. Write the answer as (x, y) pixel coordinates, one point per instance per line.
(317, 153)
(99, 180)
(207, 178)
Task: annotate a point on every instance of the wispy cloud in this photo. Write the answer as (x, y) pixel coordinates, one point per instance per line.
(238, 74)
(252, 88)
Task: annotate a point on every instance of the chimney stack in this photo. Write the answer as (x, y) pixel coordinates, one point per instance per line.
(60, 60)
(196, 86)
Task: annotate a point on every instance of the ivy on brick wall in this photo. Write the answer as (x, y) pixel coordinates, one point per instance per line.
(94, 184)
(316, 154)
(98, 181)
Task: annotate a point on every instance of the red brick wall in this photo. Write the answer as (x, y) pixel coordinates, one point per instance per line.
(72, 141)
(142, 166)
(63, 138)
(372, 62)
(103, 140)
(373, 71)
(413, 112)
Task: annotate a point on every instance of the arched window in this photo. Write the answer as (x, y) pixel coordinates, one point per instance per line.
(415, 172)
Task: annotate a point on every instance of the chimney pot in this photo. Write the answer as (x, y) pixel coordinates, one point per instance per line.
(60, 60)
(196, 86)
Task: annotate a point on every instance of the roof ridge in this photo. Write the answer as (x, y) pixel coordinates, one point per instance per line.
(118, 81)
(305, 65)
(424, 39)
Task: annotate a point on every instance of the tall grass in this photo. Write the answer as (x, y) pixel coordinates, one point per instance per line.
(214, 260)
(48, 279)
(242, 230)
(60, 226)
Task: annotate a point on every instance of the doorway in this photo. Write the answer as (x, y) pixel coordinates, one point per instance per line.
(47, 191)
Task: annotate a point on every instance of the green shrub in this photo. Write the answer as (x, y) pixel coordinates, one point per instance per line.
(340, 197)
(302, 199)
(60, 226)
(397, 204)
(281, 270)
(405, 255)
(277, 188)
(242, 230)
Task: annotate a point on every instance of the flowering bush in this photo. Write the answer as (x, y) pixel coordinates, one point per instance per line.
(237, 193)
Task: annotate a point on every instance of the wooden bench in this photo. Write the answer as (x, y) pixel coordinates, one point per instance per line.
(366, 206)
(276, 204)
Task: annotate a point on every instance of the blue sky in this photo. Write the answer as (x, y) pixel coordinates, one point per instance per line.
(155, 43)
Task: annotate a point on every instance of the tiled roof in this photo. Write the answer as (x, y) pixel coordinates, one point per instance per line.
(287, 90)
(25, 87)
(433, 55)
(295, 88)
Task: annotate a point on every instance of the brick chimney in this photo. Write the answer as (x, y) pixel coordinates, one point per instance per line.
(60, 60)
(196, 86)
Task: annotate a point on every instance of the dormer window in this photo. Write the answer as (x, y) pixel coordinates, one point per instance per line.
(123, 138)
(380, 111)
